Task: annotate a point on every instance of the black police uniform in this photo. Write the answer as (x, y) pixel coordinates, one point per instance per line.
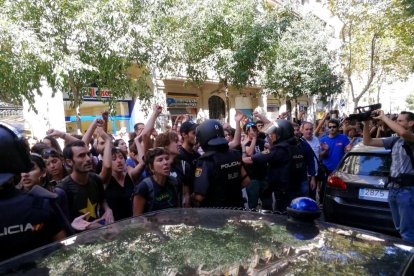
(285, 172)
(218, 179)
(27, 222)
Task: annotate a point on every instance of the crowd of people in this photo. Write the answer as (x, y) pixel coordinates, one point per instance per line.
(260, 164)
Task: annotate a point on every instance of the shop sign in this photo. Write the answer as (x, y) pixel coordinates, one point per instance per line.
(95, 92)
(178, 102)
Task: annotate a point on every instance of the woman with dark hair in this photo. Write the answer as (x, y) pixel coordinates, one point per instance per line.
(157, 191)
(120, 188)
(55, 167)
(51, 142)
(180, 169)
(36, 176)
(38, 148)
(120, 143)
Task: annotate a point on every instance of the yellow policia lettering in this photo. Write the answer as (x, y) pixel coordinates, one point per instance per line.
(20, 228)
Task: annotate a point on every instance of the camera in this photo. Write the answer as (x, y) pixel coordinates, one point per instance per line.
(364, 112)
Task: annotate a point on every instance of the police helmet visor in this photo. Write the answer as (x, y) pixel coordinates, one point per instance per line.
(269, 129)
(217, 141)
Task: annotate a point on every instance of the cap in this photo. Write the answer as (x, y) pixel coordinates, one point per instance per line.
(188, 126)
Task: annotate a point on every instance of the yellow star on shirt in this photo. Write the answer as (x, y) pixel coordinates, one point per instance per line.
(89, 208)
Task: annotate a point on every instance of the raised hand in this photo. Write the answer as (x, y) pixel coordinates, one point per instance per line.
(157, 109)
(55, 133)
(239, 116)
(101, 132)
(185, 118)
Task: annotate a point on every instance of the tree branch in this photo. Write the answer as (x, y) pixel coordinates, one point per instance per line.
(372, 69)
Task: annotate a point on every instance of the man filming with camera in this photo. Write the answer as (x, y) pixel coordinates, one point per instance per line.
(401, 185)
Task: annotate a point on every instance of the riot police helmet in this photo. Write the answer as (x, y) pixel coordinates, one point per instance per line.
(283, 130)
(210, 133)
(14, 153)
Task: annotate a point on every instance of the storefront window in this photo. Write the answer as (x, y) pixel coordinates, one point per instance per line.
(89, 110)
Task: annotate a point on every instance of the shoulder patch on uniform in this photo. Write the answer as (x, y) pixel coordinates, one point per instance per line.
(198, 172)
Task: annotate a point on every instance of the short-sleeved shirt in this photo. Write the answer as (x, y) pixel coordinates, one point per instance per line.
(401, 162)
(119, 198)
(336, 150)
(189, 157)
(27, 222)
(130, 163)
(162, 197)
(83, 198)
(184, 174)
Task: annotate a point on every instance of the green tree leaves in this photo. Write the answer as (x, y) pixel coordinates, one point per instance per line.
(73, 44)
(377, 44)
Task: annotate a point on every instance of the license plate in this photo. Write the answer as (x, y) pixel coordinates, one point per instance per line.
(373, 194)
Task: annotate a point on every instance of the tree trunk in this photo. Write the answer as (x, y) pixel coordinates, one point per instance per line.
(289, 108)
(76, 103)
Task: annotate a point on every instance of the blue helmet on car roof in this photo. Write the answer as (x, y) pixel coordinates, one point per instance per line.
(304, 208)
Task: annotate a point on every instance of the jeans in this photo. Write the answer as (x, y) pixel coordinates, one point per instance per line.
(255, 191)
(401, 202)
(304, 188)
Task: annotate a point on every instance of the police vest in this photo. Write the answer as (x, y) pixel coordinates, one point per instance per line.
(290, 174)
(225, 180)
(27, 222)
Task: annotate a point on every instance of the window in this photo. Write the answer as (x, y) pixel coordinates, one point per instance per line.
(372, 165)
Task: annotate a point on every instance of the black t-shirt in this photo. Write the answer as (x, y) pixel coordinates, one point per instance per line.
(256, 171)
(27, 222)
(119, 198)
(83, 198)
(157, 197)
(191, 158)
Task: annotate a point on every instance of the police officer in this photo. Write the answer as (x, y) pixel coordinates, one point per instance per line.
(401, 186)
(219, 174)
(286, 164)
(27, 219)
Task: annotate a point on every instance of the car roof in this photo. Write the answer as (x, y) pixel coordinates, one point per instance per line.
(218, 241)
(361, 148)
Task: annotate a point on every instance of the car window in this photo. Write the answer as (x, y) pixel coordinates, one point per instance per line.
(375, 165)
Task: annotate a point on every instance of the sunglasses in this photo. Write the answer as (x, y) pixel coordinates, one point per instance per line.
(50, 153)
(332, 127)
(251, 124)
